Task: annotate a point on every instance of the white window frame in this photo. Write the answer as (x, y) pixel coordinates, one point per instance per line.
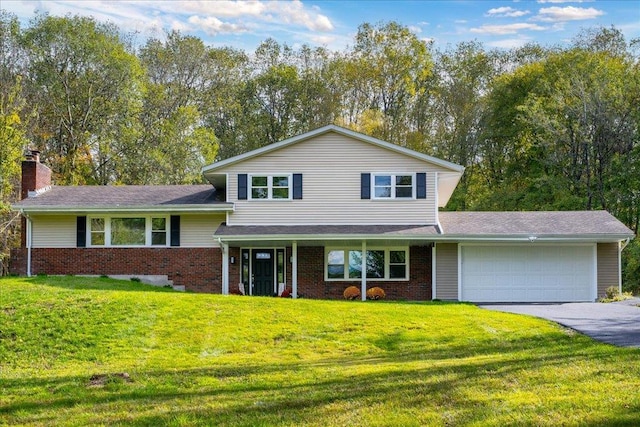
(270, 186)
(387, 259)
(393, 185)
(148, 231)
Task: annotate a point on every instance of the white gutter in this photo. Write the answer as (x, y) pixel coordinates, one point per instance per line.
(108, 209)
(428, 237)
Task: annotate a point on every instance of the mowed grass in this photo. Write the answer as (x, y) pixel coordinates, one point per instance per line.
(214, 360)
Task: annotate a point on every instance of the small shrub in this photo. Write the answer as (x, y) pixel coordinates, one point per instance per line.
(135, 279)
(104, 276)
(351, 293)
(611, 294)
(376, 293)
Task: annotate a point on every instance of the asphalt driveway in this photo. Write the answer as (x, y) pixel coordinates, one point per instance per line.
(616, 323)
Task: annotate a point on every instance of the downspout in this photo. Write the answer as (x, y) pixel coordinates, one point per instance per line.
(438, 225)
(624, 243)
(621, 245)
(28, 241)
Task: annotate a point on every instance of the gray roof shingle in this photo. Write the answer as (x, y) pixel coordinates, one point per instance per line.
(299, 230)
(532, 223)
(110, 197)
(459, 225)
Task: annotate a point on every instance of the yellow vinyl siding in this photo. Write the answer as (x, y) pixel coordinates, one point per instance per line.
(196, 231)
(331, 165)
(54, 231)
(607, 267)
(447, 271)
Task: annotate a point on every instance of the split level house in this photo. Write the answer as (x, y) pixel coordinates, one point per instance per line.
(315, 214)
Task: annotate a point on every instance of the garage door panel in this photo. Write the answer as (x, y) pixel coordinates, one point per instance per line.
(527, 273)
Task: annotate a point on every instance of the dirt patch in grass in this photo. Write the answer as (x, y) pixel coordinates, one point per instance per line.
(100, 380)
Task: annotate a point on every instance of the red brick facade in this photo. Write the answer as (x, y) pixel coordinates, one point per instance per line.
(197, 269)
(311, 283)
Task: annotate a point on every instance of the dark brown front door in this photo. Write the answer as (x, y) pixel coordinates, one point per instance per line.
(262, 269)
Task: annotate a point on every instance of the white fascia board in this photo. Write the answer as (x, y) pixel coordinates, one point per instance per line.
(319, 237)
(346, 132)
(115, 209)
(428, 238)
(538, 238)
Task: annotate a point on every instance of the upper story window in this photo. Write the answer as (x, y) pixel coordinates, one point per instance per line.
(128, 231)
(393, 186)
(270, 187)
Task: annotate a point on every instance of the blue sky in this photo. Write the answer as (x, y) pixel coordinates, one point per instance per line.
(244, 24)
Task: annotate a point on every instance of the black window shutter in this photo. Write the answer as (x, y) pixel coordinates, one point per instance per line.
(421, 185)
(242, 186)
(365, 186)
(175, 230)
(297, 186)
(81, 232)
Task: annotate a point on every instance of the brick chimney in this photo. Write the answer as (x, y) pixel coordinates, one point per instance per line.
(35, 175)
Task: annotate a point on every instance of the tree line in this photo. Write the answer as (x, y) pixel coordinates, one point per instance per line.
(537, 127)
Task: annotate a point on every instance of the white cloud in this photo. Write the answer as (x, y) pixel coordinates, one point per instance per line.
(460, 21)
(508, 43)
(212, 26)
(213, 17)
(565, 1)
(569, 13)
(220, 8)
(322, 39)
(507, 29)
(415, 29)
(295, 12)
(506, 12)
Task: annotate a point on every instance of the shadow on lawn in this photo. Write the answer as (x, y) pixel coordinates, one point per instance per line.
(427, 379)
(95, 283)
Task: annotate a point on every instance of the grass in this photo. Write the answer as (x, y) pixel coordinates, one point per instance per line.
(79, 351)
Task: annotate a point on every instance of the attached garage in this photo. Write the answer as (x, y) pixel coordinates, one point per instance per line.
(530, 272)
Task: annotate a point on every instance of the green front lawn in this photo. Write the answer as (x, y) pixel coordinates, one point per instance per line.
(65, 343)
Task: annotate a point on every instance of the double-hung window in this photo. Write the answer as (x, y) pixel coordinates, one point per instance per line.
(393, 186)
(380, 264)
(270, 187)
(128, 231)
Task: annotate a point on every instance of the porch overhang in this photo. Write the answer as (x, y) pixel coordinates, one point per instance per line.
(318, 235)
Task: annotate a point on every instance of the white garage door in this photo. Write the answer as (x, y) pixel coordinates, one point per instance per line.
(527, 273)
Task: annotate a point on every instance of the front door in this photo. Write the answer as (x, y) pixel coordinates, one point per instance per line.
(262, 268)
